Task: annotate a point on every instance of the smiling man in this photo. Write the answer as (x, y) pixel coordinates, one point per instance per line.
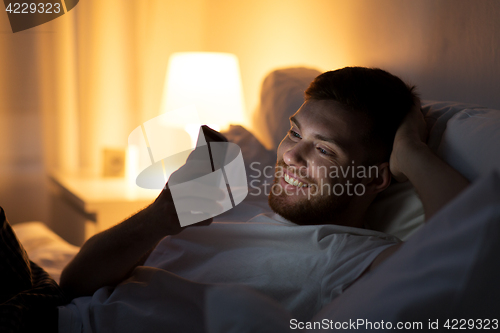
(357, 127)
(335, 158)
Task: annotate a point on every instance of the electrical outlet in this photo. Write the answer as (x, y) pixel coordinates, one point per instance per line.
(114, 162)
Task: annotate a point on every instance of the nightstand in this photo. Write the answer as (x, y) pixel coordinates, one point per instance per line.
(81, 207)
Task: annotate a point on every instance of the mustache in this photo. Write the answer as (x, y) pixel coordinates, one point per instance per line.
(281, 166)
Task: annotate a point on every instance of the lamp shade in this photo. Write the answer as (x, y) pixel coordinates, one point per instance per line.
(211, 82)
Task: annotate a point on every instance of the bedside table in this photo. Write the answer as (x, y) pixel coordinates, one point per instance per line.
(81, 207)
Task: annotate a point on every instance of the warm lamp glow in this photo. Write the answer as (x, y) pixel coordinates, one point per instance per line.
(209, 81)
(200, 89)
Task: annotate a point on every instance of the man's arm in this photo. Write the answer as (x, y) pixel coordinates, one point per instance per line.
(435, 181)
(109, 257)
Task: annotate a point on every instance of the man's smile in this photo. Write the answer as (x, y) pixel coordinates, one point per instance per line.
(292, 181)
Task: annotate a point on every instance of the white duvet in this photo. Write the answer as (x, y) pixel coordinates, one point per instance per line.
(295, 270)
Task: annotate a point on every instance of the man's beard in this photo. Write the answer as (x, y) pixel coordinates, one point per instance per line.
(321, 208)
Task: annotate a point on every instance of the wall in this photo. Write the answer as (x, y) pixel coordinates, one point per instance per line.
(23, 193)
(119, 63)
(114, 67)
(448, 48)
(80, 83)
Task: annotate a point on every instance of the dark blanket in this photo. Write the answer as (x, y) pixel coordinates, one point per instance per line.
(28, 295)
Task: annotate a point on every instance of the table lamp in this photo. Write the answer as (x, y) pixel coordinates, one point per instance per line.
(201, 88)
(209, 81)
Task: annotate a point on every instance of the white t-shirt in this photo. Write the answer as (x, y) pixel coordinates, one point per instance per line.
(301, 267)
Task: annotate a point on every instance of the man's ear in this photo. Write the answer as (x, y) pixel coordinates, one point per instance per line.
(380, 180)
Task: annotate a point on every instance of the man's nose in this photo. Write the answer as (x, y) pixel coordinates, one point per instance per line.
(296, 155)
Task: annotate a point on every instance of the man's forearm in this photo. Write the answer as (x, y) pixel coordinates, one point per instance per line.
(434, 180)
(108, 257)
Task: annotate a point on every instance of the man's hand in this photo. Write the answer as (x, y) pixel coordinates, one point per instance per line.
(165, 208)
(411, 134)
(435, 181)
(188, 196)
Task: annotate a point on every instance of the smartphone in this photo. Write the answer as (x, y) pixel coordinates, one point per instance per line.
(212, 135)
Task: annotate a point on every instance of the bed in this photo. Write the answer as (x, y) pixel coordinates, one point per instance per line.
(447, 270)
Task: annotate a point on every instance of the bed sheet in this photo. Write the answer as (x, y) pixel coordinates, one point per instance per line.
(45, 248)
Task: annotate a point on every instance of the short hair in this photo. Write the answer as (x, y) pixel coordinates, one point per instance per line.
(384, 98)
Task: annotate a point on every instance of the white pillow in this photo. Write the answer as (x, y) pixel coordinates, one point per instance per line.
(449, 269)
(437, 114)
(466, 136)
(397, 211)
(471, 141)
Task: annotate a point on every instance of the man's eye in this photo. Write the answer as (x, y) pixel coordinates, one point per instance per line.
(294, 134)
(323, 151)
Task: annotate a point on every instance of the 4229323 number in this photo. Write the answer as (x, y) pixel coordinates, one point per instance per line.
(469, 324)
(32, 8)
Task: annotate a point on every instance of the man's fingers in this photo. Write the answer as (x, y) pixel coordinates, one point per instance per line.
(187, 205)
(194, 169)
(190, 219)
(196, 189)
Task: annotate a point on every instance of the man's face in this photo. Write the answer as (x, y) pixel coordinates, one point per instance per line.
(314, 181)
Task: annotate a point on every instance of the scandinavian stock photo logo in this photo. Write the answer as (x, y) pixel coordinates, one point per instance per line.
(24, 15)
(334, 180)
